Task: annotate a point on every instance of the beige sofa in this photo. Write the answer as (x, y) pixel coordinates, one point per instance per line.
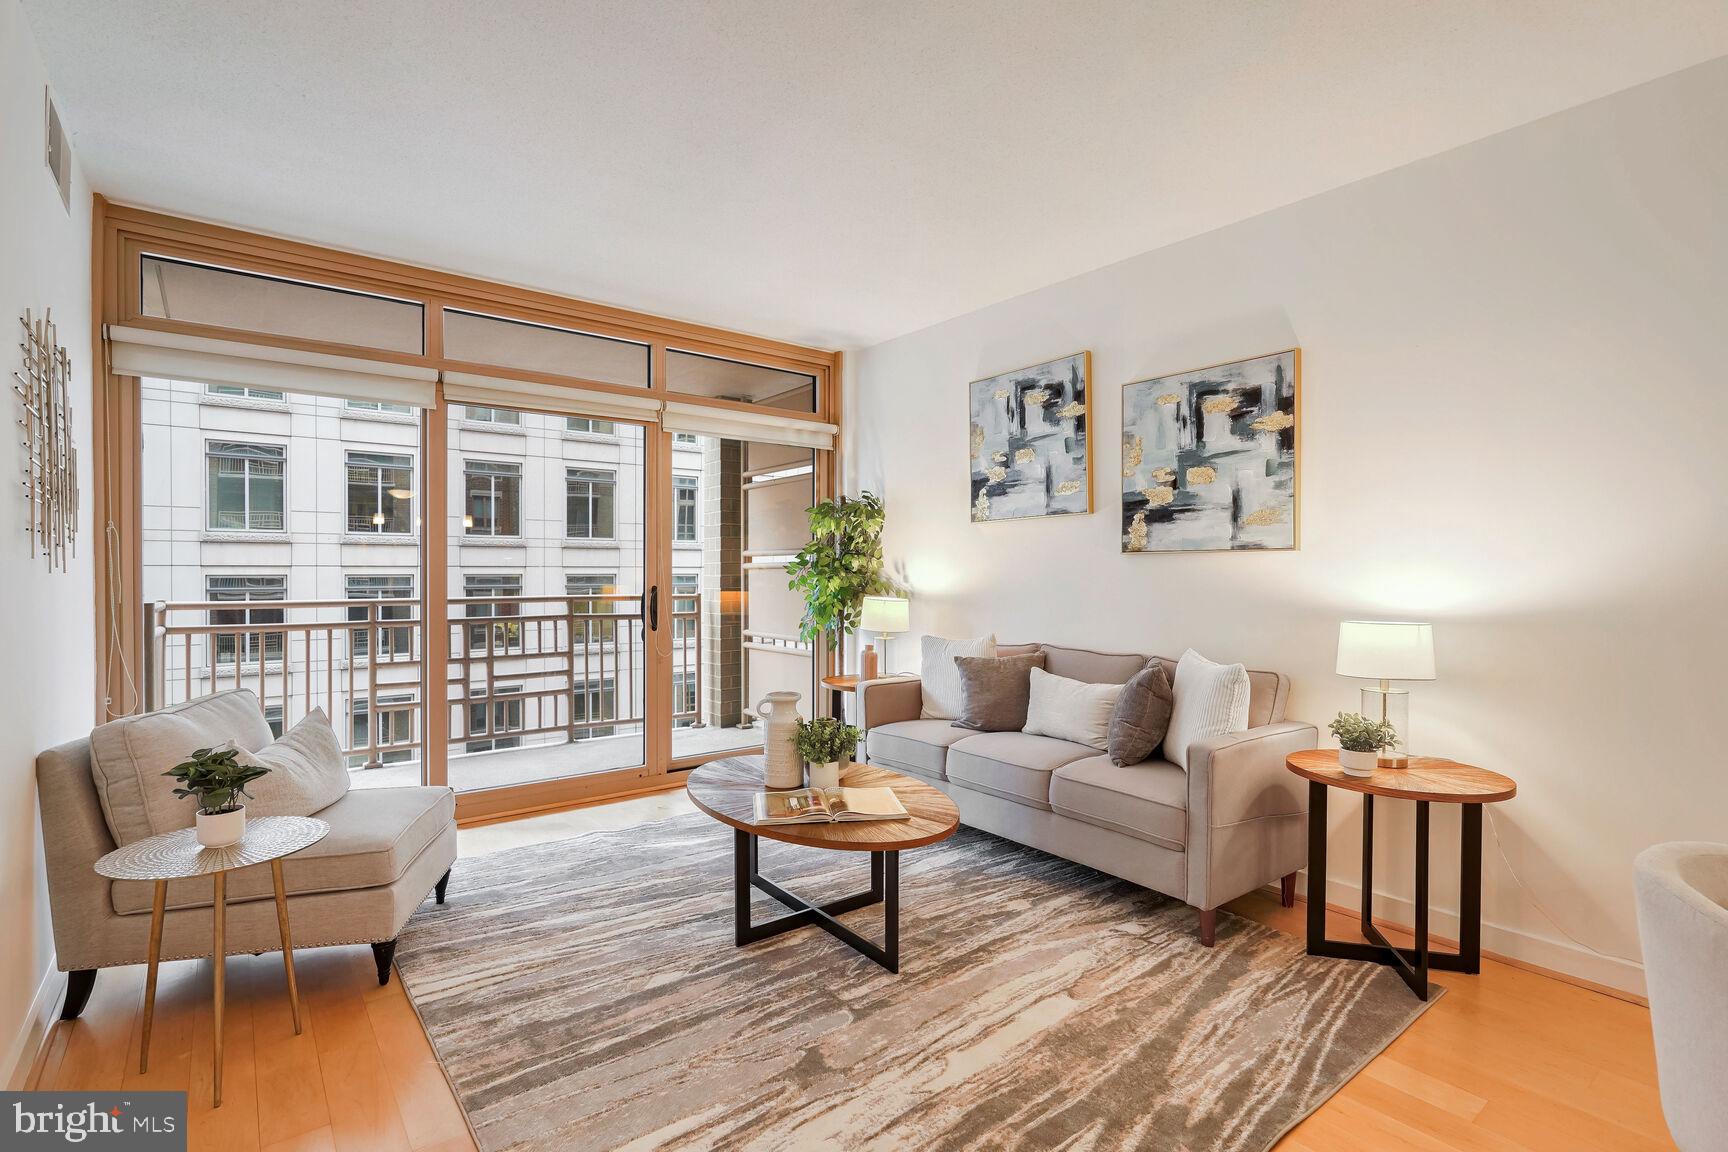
(1234, 821)
(387, 848)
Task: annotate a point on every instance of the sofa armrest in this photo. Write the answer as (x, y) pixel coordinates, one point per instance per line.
(1246, 811)
(890, 699)
(74, 837)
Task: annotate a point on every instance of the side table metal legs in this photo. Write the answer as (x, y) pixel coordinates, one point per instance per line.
(1413, 964)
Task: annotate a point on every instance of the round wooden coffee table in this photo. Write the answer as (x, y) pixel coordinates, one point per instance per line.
(1427, 780)
(726, 790)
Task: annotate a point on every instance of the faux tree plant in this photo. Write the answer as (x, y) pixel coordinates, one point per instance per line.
(840, 565)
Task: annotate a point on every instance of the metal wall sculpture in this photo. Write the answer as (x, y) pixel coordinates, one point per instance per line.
(50, 458)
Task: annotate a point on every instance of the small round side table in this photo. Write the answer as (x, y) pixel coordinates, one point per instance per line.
(1427, 780)
(179, 856)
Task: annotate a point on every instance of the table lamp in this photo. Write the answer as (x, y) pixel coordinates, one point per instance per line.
(1387, 650)
(883, 615)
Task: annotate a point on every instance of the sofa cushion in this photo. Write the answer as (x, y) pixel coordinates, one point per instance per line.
(1012, 765)
(916, 746)
(306, 771)
(1092, 667)
(1148, 801)
(128, 757)
(375, 834)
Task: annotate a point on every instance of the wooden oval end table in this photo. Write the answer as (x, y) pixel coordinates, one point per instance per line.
(1427, 780)
(179, 856)
(727, 789)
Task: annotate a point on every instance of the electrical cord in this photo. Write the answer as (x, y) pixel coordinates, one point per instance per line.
(1530, 895)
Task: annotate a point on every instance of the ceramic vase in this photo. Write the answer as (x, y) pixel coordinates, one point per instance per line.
(220, 829)
(784, 768)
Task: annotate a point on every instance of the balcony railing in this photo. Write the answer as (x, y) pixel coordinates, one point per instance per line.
(519, 667)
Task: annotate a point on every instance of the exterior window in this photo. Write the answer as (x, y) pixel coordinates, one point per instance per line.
(592, 584)
(684, 621)
(594, 700)
(506, 636)
(245, 487)
(494, 498)
(380, 493)
(273, 718)
(683, 437)
(506, 716)
(684, 508)
(395, 643)
(246, 589)
(379, 406)
(395, 726)
(584, 424)
(493, 415)
(244, 393)
(589, 498)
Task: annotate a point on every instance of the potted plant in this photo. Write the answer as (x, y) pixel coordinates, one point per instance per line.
(840, 566)
(217, 778)
(1360, 740)
(824, 742)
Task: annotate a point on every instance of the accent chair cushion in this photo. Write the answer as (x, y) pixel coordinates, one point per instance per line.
(994, 691)
(941, 679)
(916, 746)
(1013, 765)
(306, 771)
(1148, 801)
(128, 757)
(1072, 710)
(375, 834)
(1211, 700)
(1141, 716)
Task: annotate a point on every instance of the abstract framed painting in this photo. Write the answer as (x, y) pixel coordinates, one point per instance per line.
(1031, 440)
(1211, 459)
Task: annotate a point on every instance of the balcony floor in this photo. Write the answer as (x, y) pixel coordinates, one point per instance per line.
(471, 771)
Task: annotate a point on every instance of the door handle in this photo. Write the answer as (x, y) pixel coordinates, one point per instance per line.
(654, 608)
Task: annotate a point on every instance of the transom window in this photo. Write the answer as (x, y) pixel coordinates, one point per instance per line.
(584, 424)
(494, 498)
(590, 496)
(245, 491)
(396, 643)
(380, 493)
(249, 637)
(684, 508)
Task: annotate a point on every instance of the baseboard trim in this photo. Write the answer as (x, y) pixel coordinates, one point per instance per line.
(27, 1046)
(1558, 960)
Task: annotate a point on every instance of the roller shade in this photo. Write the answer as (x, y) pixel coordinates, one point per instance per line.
(500, 392)
(758, 426)
(202, 360)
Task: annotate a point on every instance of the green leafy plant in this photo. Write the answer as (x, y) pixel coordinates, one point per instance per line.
(217, 778)
(825, 740)
(1357, 733)
(840, 566)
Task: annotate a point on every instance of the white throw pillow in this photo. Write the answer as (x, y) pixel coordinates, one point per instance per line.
(940, 675)
(1071, 709)
(1211, 700)
(306, 771)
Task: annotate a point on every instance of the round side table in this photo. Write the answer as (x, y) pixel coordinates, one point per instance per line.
(179, 856)
(1427, 780)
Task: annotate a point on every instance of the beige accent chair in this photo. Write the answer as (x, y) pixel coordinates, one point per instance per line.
(1682, 891)
(387, 848)
(1234, 821)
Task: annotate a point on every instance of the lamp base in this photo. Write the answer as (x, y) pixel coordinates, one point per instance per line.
(1390, 705)
(867, 666)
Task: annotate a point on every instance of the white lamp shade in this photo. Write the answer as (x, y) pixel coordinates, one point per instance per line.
(885, 614)
(1386, 650)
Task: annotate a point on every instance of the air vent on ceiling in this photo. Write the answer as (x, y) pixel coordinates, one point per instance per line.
(57, 152)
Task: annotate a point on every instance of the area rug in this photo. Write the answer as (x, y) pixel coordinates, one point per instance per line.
(586, 994)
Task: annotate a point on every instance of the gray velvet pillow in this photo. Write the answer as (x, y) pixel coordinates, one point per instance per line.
(1142, 716)
(994, 691)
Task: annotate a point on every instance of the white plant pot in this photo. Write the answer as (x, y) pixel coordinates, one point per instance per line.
(825, 775)
(220, 829)
(1358, 763)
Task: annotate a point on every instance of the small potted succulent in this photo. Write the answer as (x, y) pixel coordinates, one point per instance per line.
(1359, 742)
(218, 780)
(824, 742)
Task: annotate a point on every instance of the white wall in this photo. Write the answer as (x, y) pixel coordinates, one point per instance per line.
(1515, 404)
(47, 668)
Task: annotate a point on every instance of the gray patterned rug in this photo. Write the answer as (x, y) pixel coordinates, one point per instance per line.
(586, 995)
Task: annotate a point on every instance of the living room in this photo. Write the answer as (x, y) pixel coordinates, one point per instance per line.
(1180, 461)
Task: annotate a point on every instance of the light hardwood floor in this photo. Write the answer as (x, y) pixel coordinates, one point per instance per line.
(1508, 1061)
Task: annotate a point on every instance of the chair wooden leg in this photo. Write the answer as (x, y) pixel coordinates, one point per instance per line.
(80, 982)
(443, 883)
(287, 942)
(1208, 927)
(1287, 890)
(384, 953)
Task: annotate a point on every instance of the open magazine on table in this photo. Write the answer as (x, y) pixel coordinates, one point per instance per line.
(829, 806)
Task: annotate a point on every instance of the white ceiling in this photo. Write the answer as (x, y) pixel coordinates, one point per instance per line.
(827, 172)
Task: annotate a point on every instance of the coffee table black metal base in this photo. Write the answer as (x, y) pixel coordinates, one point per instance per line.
(1413, 964)
(884, 890)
